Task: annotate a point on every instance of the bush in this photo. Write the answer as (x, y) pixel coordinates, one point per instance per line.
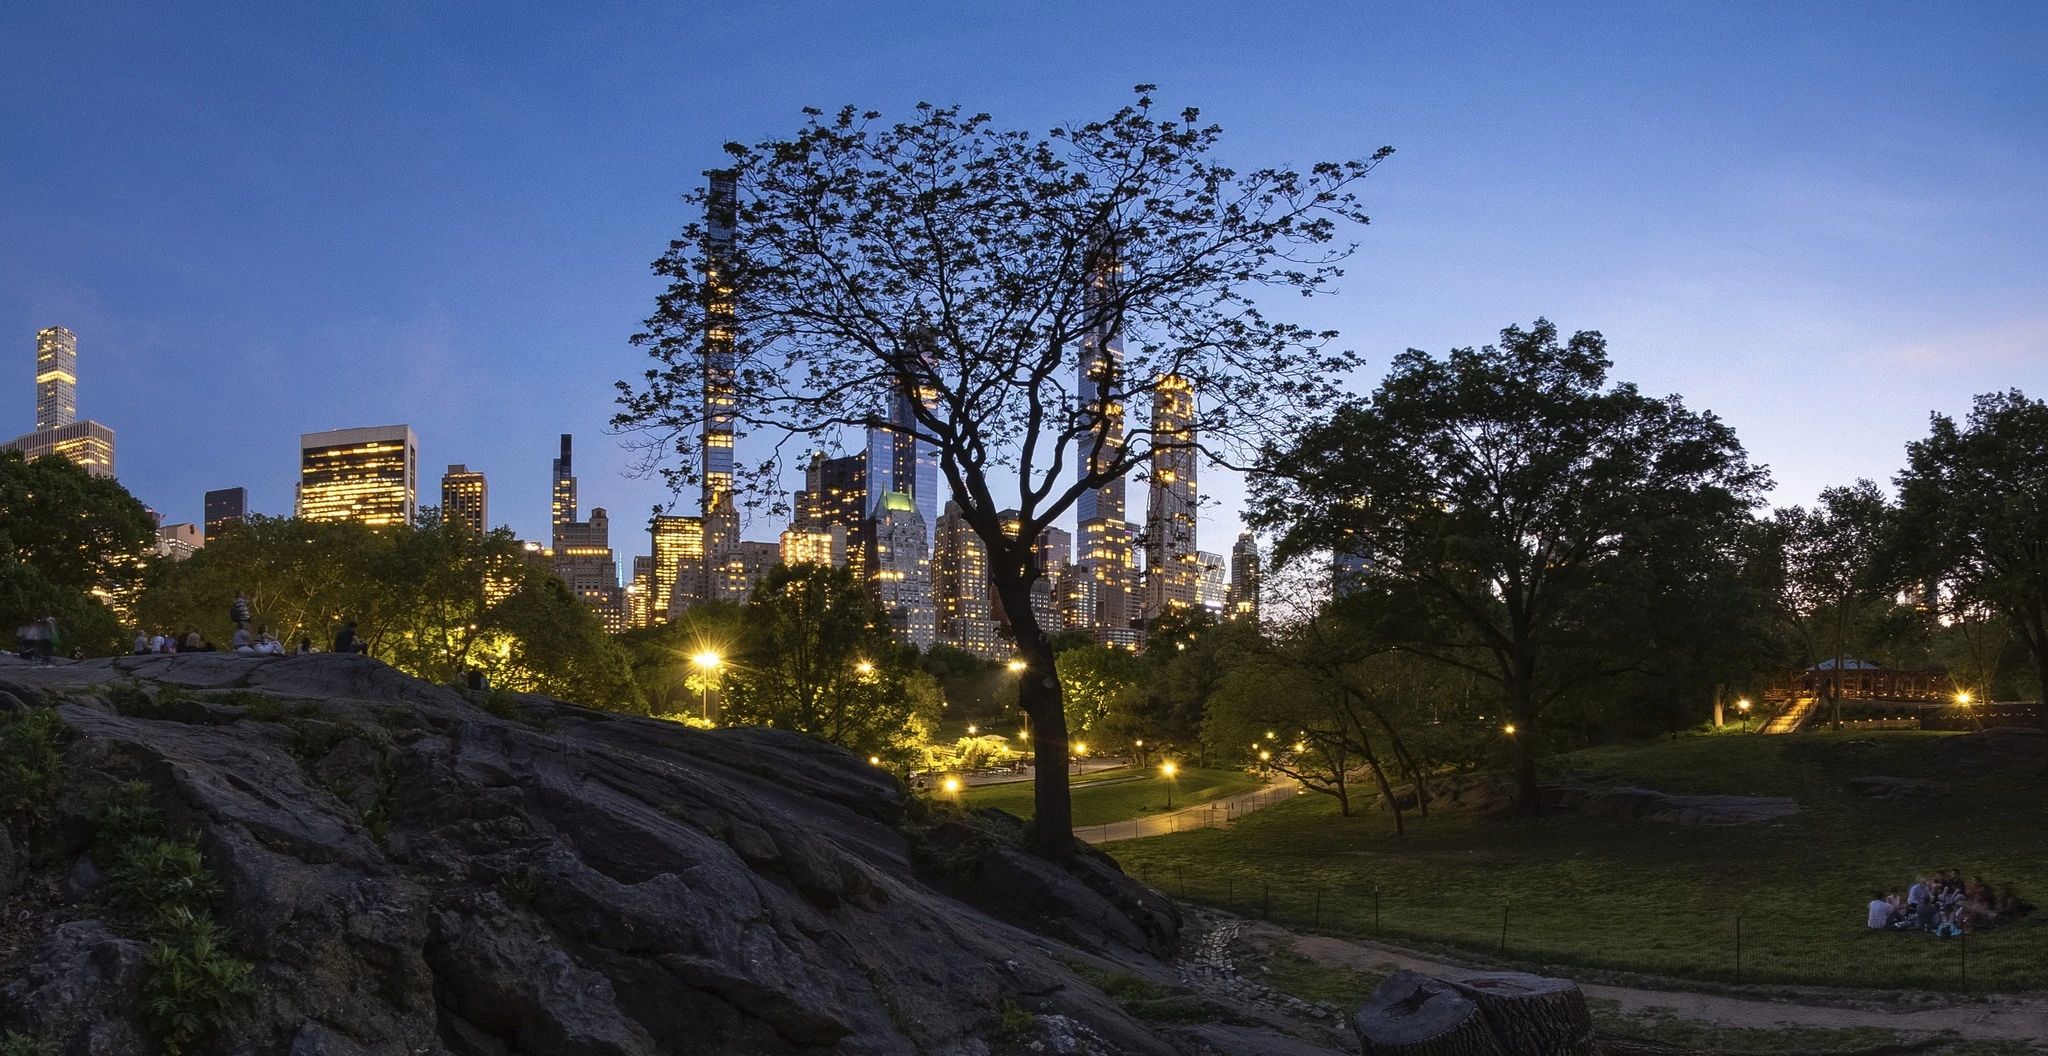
(192, 988)
(12, 1044)
(1017, 1022)
(31, 765)
(152, 877)
(125, 815)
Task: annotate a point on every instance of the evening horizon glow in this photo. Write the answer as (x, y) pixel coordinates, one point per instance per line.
(260, 226)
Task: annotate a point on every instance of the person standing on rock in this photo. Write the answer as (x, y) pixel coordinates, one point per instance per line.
(345, 640)
(238, 610)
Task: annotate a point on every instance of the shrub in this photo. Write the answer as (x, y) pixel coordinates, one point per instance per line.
(192, 987)
(1017, 1022)
(31, 764)
(12, 1044)
(151, 877)
(125, 815)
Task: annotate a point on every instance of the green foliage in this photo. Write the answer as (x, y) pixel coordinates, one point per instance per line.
(312, 739)
(64, 533)
(1015, 1023)
(191, 987)
(660, 656)
(152, 876)
(817, 657)
(520, 887)
(12, 1044)
(988, 749)
(431, 600)
(125, 816)
(1092, 677)
(1528, 520)
(31, 764)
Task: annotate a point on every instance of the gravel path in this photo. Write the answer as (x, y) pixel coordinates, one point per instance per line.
(1999, 1017)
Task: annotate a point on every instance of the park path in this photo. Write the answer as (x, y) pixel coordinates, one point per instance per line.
(1216, 814)
(1995, 1017)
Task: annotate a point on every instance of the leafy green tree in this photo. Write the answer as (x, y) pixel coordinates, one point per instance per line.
(1974, 515)
(68, 540)
(1831, 582)
(1525, 514)
(986, 271)
(817, 657)
(662, 655)
(1092, 677)
(974, 686)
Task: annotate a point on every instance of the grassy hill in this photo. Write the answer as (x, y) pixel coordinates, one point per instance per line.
(1657, 898)
(1121, 794)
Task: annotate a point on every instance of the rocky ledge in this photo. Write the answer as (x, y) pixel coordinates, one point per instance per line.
(405, 869)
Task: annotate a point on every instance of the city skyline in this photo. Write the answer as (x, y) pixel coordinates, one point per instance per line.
(1759, 255)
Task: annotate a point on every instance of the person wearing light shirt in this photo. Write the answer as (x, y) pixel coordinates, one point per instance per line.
(1880, 912)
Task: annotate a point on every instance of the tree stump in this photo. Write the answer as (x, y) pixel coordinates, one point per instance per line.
(1414, 1015)
(1531, 1015)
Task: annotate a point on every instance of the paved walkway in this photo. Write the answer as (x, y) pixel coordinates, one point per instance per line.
(1992, 1017)
(1217, 814)
(1030, 773)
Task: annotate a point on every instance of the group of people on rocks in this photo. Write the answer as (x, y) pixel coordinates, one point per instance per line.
(1943, 904)
(246, 642)
(37, 639)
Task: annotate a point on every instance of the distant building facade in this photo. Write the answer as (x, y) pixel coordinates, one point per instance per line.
(368, 475)
(1245, 577)
(179, 541)
(960, 593)
(466, 499)
(1173, 573)
(899, 570)
(225, 507)
(86, 444)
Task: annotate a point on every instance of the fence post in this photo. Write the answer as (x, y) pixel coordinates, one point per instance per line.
(1503, 929)
(1266, 900)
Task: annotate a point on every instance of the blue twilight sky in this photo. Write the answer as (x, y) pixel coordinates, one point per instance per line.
(1820, 221)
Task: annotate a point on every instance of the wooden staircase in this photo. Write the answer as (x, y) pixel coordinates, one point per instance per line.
(1793, 717)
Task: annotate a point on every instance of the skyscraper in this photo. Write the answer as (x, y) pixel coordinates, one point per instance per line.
(466, 499)
(900, 570)
(1105, 544)
(960, 595)
(898, 460)
(676, 579)
(224, 507)
(1244, 577)
(56, 378)
(724, 577)
(1213, 590)
(58, 431)
(583, 559)
(562, 505)
(835, 494)
(1173, 574)
(368, 475)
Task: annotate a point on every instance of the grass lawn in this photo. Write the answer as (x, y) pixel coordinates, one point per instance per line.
(1120, 794)
(1664, 899)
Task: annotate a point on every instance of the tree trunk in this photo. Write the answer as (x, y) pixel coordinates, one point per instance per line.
(1040, 696)
(1531, 1015)
(1413, 1015)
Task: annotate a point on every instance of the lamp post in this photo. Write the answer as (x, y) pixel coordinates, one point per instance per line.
(1080, 751)
(1166, 770)
(707, 661)
(1743, 707)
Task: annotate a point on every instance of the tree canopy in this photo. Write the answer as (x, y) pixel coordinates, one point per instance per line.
(1017, 293)
(66, 536)
(1529, 520)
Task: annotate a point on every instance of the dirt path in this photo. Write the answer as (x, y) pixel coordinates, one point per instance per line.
(1216, 814)
(1991, 1018)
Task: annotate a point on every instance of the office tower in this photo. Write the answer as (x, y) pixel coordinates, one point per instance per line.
(224, 507)
(676, 579)
(1051, 554)
(899, 570)
(1075, 596)
(1173, 575)
(562, 505)
(87, 444)
(898, 460)
(750, 563)
(835, 494)
(584, 561)
(466, 499)
(368, 475)
(56, 378)
(1105, 536)
(724, 578)
(1244, 577)
(1213, 591)
(1347, 572)
(179, 541)
(960, 589)
(814, 545)
(640, 594)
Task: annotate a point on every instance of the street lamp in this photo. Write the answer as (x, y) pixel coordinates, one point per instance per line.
(1017, 667)
(952, 787)
(1964, 698)
(707, 661)
(1509, 729)
(1080, 751)
(1167, 769)
(972, 729)
(1743, 707)
(865, 667)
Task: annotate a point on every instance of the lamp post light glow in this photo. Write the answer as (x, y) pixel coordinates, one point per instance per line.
(972, 729)
(1017, 667)
(1509, 729)
(865, 667)
(951, 785)
(1167, 770)
(707, 661)
(1964, 698)
(1743, 707)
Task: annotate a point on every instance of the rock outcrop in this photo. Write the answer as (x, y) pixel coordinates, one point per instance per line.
(413, 871)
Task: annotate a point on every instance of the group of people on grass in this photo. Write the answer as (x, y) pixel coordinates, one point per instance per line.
(1943, 904)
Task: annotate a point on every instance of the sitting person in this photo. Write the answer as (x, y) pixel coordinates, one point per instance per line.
(1880, 916)
(142, 646)
(1926, 916)
(244, 642)
(268, 645)
(1918, 892)
(305, 646)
